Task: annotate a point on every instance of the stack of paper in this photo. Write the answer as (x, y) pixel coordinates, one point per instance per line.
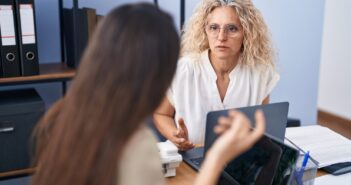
(332, 179)
(325, 145)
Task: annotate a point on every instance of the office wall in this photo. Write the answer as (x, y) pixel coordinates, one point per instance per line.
(297, 33)
(334, 83)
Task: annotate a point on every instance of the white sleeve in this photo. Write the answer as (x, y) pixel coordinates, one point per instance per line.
(272, 80)
(176, 85)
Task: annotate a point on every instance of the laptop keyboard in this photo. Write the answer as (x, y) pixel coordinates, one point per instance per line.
(197, 161)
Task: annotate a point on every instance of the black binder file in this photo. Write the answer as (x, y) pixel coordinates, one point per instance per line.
(9, 53)
(27, 37)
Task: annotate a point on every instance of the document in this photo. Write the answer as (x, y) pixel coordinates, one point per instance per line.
(332, 179)
(325, 146)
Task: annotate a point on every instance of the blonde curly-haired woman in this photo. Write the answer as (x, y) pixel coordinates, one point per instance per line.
(227, 61)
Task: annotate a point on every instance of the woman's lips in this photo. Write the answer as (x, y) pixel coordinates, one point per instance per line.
(222, 47)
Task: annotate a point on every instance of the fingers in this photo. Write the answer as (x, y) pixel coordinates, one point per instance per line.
(223, 125)
(235, 120)
(260, 126)
(182, 127)
(180, 137)
(186, 145)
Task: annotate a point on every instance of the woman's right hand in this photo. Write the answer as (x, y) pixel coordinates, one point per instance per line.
(181, 138)
(236, 136)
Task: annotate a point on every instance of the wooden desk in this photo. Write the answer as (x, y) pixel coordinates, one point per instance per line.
(186, 175)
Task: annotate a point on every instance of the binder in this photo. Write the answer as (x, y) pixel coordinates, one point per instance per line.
(79, 25)
(91, 20)
(70, 43)
(75, 35)
(99, 18)
(82, 33)
(27, 38)
(9, 53)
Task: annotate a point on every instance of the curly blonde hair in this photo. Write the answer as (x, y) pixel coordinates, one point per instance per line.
(257, 46)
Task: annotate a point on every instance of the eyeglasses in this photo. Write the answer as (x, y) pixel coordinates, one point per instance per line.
(230, 29)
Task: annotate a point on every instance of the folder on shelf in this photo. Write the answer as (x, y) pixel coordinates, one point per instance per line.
(27, 37)
(99, 18)
(75, 35)
(10, 60)
(91, 20)
(79, 25)
(82, 32)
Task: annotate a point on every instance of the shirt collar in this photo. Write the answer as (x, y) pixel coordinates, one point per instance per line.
(209, 68)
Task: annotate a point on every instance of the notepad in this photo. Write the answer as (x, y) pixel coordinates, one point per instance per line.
(325, 146)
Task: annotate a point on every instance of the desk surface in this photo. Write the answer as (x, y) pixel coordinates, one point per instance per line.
(186, 175)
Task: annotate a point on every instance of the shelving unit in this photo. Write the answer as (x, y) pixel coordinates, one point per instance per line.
(15, 173)
(49, 72)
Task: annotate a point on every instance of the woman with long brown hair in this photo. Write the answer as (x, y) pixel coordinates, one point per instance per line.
(96, 133)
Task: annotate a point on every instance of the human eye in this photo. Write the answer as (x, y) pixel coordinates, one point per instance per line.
(213, 27)
(232, 28)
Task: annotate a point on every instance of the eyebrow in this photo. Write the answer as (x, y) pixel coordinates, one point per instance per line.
(230, 24)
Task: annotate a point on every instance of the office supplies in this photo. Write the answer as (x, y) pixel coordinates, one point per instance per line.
(82, 35)
(169, 157)
(298, 172)
(326, 146)
(10, 60)
(91, 20)
(304, 163)
(78, 27)
(99, 18)
(333, 180)
(27, 38)
(338, 168)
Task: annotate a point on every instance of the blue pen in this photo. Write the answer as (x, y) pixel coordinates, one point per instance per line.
(302, 169)
(304, 162)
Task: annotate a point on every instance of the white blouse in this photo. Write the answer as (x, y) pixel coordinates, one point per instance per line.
(194, 91)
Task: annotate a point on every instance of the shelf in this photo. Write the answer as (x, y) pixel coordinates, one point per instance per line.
(48, 73)
(26, 171)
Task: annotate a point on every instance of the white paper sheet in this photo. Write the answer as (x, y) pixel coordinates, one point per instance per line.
(325, 145)
(331, 179)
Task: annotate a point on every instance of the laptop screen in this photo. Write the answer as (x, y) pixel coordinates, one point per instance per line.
(267, 162)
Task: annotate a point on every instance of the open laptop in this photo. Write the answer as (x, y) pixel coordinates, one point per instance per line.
(276, 119)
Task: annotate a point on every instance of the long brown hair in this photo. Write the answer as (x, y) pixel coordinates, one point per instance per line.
(123, 76)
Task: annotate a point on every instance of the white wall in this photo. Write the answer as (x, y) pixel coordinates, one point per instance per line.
(296, 29)
(335, 71)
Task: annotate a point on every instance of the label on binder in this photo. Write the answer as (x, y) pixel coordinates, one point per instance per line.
(27, 23)
(7, 26)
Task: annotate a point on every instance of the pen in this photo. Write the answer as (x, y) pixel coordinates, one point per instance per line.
(304, 162)
(302, 169)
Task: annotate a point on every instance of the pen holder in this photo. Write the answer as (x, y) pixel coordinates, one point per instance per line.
(307, 176)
